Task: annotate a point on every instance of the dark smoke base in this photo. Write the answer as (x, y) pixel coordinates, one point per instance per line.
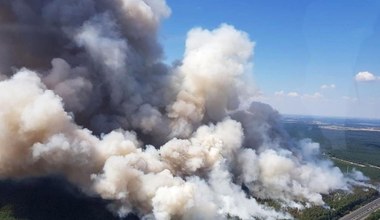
(46, 198)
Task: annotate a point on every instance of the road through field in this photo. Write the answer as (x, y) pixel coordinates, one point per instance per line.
(363, 212)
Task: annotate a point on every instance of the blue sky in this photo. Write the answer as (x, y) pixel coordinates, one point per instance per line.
(300, 46)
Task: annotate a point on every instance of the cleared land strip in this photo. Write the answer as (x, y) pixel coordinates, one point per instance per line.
(356, 164)
(373, 166)
(350, 162)
(363, 212)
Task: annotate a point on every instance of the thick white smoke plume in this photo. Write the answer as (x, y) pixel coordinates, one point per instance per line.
(84, 94)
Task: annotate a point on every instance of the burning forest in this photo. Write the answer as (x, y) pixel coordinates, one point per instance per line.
(84, 93)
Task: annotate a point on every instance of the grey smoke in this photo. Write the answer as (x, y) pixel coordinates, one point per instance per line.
(85, 94)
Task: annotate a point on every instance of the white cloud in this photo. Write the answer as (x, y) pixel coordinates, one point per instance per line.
(327, 86)
(279, 93)
(259, 93)
(348, 98)
(289, 94)
(316, 95)
(366, 77)
(293, 94)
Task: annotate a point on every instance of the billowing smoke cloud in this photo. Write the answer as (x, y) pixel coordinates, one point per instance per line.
(84, 94)
(211, 71)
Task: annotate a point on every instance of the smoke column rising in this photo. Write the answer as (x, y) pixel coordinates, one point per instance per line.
(85, 94)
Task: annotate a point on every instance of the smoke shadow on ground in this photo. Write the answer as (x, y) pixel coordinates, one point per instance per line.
(52, 198)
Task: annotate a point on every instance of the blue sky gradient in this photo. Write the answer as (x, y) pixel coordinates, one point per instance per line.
(300, 46)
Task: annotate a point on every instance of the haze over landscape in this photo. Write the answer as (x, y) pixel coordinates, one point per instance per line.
(97, 97)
